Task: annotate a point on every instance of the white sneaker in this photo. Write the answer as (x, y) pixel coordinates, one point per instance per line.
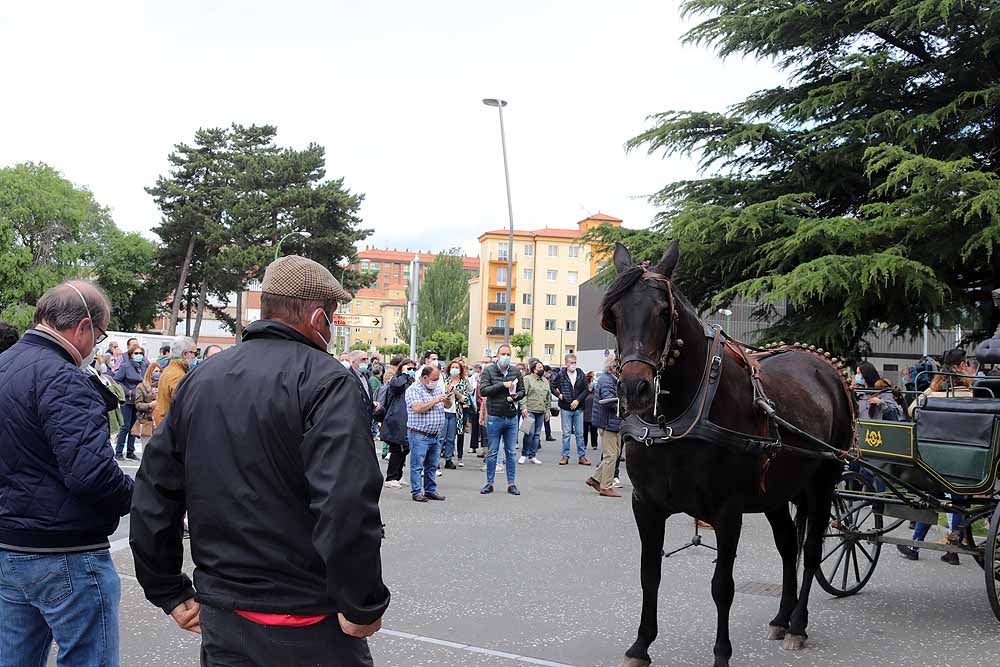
(537, 461)
(460, 464)
(617, 484)
(393, 484)
(439, 473)
(522, 459)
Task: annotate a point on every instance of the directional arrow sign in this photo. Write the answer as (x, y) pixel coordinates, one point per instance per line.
(356, 321)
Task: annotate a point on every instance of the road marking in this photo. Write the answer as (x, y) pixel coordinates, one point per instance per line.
(474, 649)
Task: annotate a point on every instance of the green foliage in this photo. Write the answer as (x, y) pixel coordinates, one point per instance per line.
(359, 345)
(863, 191)
(449, 344)
(236, 193)
(387, 351)
(521, 343)
(19, 315)
(443, 298)
(52, 230)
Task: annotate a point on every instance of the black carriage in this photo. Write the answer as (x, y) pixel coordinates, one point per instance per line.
(946, 460)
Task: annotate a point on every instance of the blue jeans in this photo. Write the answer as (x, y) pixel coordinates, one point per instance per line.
(425, 454)
(532, 442)
(447, 436)
(128, 421)
(506, 428)
(573, 420)
(72, 598)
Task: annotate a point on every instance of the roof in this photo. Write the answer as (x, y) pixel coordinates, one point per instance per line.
(549, 232)
(603, 217)
(382, 255)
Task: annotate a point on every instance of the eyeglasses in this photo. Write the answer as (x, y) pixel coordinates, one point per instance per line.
(100, 339)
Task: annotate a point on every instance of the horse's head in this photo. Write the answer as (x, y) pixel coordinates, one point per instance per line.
(640, 309)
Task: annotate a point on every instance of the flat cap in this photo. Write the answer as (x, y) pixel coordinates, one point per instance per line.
(302, 278)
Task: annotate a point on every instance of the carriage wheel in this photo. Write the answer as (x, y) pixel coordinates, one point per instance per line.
(850, 550)
(991, 562)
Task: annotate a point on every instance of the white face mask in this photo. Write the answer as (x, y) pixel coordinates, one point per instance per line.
(571, 367)
(89, 359)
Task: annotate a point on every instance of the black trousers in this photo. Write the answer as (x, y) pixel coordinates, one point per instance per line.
(228, 640)
(590, 433)
(548, 429)
(473, 430)
(397, 457)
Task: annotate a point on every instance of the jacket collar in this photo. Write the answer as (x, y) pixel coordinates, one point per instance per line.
(42, 339)
(274, 329)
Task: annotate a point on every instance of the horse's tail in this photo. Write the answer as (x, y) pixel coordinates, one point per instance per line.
(801, 515)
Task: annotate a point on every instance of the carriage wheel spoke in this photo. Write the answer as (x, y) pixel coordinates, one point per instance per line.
(847, 567)
(861, 522)
(865, 552)
(833, 551)
(836, 566)
(857, 570)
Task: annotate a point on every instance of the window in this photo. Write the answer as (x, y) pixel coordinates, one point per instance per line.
(571, 301)
(574, 251)
(550, 350)
(503, 251)
(550, 325)
(498, 322)
(553, 251)
(572, 277)
(502, 275)
(501, 297)
(552, 275)
(526, 299)
(528, 274)
(526, 323)
(357, 329)
(602, 265)
(550, 299)
(529, 250)
(570, 325)
(364, 265)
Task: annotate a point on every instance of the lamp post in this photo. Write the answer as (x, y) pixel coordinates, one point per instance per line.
(277, 248)
(729, 318)
(500, 104)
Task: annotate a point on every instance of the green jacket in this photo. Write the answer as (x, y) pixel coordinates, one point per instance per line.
(115, 418)
(538, 394)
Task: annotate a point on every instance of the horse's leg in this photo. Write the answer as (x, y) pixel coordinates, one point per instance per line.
(651, 522)
(818, 500)
(728, 524)
(787, 543)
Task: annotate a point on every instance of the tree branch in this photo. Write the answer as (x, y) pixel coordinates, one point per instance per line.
(916, 50)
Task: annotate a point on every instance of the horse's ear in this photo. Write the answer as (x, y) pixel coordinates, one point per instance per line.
(622, 257)
(669, 260)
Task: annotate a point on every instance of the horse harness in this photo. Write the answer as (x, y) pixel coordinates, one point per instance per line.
(694, 423)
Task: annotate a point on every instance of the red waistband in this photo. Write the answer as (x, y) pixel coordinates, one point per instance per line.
(285, 620)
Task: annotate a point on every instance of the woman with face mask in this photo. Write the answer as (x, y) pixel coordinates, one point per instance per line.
(457, 384)
(129, 375)
(537, 399)
(393, 430)
(145, 401)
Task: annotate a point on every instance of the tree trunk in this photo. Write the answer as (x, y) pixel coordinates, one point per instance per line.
(175, 309)
(187, 317)
(239, 314)
(203, 291)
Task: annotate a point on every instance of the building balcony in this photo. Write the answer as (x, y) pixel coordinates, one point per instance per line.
(498, 331)
(499, 307)
(501, 258)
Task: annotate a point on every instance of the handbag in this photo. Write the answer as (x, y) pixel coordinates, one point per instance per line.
(527, 426)
(142, 429)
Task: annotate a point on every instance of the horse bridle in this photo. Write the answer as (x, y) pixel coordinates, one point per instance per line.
(669, 354)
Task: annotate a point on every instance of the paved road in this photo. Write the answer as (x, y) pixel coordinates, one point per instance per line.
(551, 578)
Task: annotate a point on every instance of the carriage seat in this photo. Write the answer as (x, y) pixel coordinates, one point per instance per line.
(956, 438)
(988, 387)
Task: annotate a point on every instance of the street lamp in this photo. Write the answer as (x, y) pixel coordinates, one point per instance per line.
(500, 104)
(729, 318)
(277, 248)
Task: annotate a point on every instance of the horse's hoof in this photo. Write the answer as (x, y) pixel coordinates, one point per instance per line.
(636, 662)
(794, 643)
(775, 632)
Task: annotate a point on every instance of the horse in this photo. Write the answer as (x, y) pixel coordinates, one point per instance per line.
(732, 458)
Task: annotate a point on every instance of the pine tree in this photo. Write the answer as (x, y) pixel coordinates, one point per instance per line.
(865, 190)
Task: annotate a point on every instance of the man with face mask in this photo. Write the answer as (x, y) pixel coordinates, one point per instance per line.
(182, 359)
(61, 492)
(502, 385)
(279, 478)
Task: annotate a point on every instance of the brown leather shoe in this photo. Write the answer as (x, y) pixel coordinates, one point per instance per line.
(583, 461)
(593, 483)
(420, 498)
(563, 461)
(610, 493)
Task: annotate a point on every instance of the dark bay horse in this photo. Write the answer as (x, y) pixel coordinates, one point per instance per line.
(664, 353)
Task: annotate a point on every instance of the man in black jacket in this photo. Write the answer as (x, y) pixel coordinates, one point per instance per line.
(502, 385)
(268, 449)
(571, 388)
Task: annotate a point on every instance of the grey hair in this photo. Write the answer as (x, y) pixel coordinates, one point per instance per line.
(609, 361)
(568, 357)
(357, 354)
(180, 345)
(62, 308)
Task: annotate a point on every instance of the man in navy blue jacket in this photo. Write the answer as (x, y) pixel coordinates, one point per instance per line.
(606, 419)
(571, 388)
(61, 492)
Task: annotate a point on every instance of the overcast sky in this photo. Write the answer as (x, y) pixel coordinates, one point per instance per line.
(392, 89)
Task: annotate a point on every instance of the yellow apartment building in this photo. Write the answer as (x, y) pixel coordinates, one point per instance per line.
(548, 267)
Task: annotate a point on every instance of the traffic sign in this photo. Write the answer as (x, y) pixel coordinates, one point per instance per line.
(342, 320)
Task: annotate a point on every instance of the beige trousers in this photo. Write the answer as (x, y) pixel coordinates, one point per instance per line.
(611, 449)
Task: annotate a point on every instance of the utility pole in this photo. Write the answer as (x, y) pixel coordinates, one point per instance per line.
(414, 295)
